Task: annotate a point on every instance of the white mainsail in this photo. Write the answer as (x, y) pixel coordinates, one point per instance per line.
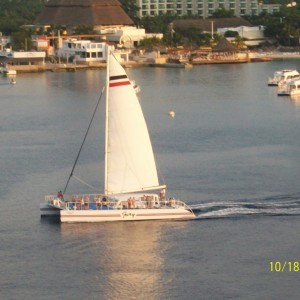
(130, 164)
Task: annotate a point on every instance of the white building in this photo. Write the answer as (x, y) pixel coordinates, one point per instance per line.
(254, 35)
(128, 36)
(23, 58)
(87, 52)
(81, 50)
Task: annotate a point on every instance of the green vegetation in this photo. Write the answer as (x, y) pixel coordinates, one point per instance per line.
(15, 13)
(223, 13)
(283, 26)
(157, 24)
(131, 9)
(150, 43)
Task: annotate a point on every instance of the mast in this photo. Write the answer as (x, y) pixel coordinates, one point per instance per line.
(106, 120)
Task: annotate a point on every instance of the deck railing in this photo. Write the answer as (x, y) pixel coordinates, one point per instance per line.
(100, 202)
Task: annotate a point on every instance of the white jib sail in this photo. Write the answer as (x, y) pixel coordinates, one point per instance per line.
(130, 161)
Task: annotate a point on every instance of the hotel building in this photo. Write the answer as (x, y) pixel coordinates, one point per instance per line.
(203, 8)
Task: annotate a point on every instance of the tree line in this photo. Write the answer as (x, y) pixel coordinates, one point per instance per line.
(283, 26)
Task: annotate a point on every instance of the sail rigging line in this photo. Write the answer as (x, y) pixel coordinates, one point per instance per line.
(71, 174)
(160, 174)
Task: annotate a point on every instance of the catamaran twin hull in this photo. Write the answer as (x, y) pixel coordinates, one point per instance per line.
(116, 214)
(124, 215)
(116, 210)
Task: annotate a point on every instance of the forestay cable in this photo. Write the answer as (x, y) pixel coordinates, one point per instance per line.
(71, 174)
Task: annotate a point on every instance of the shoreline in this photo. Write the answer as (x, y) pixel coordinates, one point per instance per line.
(259, 57)
(278, 56)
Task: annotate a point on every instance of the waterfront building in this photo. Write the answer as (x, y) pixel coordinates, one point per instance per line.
(209, 25)
(253, 35)
(82, 51)
(107, 18)
(23, 59)
(88, 52)
(128, 36)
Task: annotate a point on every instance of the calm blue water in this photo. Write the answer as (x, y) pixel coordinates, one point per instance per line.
(232, 151)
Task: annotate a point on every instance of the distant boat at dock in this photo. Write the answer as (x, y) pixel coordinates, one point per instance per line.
(6, 71)
(171, 65)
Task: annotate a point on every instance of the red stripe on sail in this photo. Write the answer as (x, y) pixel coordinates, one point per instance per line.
(113, 84)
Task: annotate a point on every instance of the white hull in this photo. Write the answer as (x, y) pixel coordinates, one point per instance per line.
(114, 210)
(295, 92)
(290, 88)
(282, 76)
(11, 72)
(124, 215)
(8, 72)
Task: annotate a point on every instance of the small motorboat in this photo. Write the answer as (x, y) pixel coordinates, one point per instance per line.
(289, 88)
(281, 76)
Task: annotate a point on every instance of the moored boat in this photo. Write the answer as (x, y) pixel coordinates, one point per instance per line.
(172, 65)
(289, 88)
(8, 72)
(279, 77)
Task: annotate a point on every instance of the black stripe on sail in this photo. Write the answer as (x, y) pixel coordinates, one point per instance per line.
(117, 77)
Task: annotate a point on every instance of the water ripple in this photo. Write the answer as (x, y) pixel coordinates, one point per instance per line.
(282, 205)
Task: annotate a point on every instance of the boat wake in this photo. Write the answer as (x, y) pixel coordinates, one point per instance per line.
(283, 205)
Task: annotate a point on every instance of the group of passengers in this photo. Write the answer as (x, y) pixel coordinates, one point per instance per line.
(84, 201)
(131, 202)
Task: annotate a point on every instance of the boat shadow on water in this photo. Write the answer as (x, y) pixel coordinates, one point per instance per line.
(50, 219)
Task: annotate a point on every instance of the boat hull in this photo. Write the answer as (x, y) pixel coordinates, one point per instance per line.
(295, 92)
(47, 209)
(73, 216)
(283, 94)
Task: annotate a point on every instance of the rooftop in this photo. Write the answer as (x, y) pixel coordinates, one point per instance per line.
(78, 12)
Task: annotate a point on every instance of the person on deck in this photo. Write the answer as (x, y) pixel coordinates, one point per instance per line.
(60, 195)
(162, 194)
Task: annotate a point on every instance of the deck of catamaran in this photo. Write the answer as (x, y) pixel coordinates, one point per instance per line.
(102, 202)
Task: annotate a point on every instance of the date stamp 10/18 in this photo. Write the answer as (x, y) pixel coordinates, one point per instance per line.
(284, 266)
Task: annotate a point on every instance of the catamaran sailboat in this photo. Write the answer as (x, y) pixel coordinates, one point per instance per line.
(130, 171)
